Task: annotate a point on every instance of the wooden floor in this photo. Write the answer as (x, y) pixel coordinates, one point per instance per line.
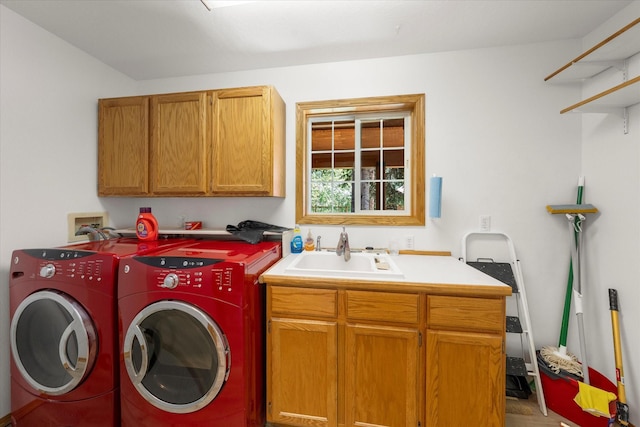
(526, 413)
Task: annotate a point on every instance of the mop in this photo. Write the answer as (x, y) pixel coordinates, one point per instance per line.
(575, 216)
(558, 358)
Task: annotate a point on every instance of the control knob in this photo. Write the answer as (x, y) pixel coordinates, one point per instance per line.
(170, 281)
(48, 271)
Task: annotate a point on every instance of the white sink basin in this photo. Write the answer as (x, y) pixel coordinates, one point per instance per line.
(361, 265)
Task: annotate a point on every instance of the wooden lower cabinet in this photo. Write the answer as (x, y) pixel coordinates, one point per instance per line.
(465, 361)
(381, 374)
(465, 380)
(304, 365)
(358, 358)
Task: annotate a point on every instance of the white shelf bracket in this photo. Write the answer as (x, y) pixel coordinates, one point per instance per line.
(625, 120)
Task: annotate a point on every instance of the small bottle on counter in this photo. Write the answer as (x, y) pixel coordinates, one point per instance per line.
(146, 225)
(309, 245)
(296, 241)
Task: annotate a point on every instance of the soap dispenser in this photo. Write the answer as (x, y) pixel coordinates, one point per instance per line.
(309, 245)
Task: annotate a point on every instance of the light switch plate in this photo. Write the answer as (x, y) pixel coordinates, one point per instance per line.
(90, 219)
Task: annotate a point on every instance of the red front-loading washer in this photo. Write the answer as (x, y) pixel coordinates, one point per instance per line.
(64, 343)
(192, 335)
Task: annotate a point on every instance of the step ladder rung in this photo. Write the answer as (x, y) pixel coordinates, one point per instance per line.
(501, 271)
(516, 366)
(513, 325)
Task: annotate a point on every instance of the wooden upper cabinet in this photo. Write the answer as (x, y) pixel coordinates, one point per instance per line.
(179, 143)
(248, 142)
(123, 146)
(207, 143)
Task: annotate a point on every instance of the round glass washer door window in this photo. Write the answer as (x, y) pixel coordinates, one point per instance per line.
(53, 342)
(176, 356)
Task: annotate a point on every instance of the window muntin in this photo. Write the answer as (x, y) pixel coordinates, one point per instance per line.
(358, 165)
(362, 161)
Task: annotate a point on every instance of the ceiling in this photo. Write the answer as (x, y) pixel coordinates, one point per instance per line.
(151, 39)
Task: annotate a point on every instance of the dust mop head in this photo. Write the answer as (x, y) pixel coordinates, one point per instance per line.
(558, 361)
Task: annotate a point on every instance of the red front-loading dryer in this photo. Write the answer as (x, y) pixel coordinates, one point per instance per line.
(64, 354)
(192, 335)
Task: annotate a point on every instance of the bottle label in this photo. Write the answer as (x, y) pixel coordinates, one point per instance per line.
(296, 245)
(142, 230)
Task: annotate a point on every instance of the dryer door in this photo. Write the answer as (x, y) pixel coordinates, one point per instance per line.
(176, 356)
(53, 342)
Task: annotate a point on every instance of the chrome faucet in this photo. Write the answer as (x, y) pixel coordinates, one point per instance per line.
(318, 248)
(343, 245)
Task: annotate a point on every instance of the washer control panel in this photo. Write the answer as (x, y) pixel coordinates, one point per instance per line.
(180, 273)
(64, 264)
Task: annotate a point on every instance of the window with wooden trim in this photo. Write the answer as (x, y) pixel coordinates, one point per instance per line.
(361, 161)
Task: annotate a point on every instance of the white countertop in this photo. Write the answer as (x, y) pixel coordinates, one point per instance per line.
(421, 272)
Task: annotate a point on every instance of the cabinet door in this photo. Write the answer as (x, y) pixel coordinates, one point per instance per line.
(245, 155)
(381, 372)
(465, 379)
(179, 143)
(302, 384)
(123, 146)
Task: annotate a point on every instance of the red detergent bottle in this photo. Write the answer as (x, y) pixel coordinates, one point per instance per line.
(146, 225)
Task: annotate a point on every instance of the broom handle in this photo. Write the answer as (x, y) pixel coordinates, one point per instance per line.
(567, 298)
(623, 409)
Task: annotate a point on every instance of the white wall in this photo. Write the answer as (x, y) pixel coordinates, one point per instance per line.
(493, 131)
(611, 161)
(48, 122)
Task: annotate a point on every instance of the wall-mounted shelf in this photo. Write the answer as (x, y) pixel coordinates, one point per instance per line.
(614, 51)
(610, 52)
(617, 98)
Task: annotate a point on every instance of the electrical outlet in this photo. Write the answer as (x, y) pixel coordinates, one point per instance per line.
(485, 222)
(88, 219)
(409, 242)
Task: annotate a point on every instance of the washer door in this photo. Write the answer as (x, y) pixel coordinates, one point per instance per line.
(53, 342)
(176, 356)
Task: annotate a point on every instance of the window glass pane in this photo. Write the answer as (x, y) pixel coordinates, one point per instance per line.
(322, 136)
(344, 194)
(369, 196)
(370, 134)
(393, 133)
(321, 197)
(320, 161)
(394, 195)
(393, 164)
(344, 135)
(344, 162)
(370, 165)
(331, 197)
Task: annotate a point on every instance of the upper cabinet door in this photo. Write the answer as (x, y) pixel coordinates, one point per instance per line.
(123, 153)
(248, 142)
(179, 143)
